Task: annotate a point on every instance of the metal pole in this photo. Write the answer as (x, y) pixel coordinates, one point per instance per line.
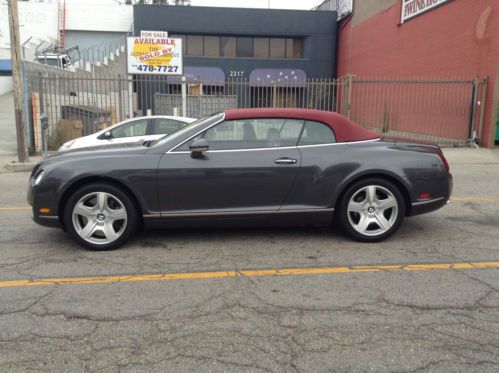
(94, 90)
(349, 95)
(130, 96)
(471, 131)
(482, 110)
(25, 96)
(184, 96)
(121, 113)
(15, 50)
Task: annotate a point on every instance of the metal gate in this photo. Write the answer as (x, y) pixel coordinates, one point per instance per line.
(449, 112)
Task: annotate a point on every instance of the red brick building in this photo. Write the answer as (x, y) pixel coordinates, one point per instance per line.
(425, 38)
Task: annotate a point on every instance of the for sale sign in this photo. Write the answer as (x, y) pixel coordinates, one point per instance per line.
(153, 34)
(412, 8)
(155, 56)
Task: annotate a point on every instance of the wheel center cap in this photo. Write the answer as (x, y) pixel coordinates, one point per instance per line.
(370, 210)
(101, 217)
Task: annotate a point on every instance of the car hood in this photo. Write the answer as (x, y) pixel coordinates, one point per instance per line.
(108, 150)
(107, 146)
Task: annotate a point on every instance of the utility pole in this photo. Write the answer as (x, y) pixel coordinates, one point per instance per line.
(15, 50)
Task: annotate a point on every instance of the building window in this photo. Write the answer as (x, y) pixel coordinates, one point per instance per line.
(244, 47)
(212, 46)
(228, 46)
(261, 47)
(297, 48)
(184, 42)
(293, 48)
(194, 45)
(277, 48)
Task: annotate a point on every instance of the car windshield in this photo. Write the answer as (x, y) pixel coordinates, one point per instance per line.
(185, 129)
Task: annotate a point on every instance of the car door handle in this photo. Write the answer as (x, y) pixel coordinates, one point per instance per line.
(285, 161)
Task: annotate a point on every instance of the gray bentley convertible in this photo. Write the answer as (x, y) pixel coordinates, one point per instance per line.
(242, 167)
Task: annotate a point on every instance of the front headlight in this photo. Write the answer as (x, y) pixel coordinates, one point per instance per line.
(39, 177)
(66, 145)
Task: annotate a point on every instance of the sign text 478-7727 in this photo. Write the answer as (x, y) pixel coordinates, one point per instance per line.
(156, 56)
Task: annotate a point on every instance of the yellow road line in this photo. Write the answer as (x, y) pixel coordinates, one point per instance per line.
(246, 273)
(23, 208)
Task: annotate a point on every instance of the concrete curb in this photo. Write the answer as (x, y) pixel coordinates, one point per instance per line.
(20, 167)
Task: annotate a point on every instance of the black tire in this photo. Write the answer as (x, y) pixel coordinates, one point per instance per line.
(126, 227)
(350, 220)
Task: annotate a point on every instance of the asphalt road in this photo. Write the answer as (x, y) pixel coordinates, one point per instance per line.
(251, 300)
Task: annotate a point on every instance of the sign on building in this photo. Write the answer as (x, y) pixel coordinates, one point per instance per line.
(412, 8)
(155, 56)
(153, 34)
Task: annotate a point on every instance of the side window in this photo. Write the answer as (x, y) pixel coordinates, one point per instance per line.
(135, 128)
(316, 133)
(251, 134)
(163, 126)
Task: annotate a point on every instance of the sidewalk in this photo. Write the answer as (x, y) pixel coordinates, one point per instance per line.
(8, 163)
(455, 157)
(7, 125)
(469, 156)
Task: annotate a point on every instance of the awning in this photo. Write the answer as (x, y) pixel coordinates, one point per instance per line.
(278, 77)
(5, 67)
(195, 75)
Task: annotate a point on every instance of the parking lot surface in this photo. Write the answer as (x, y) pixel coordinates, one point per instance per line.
(259, 300)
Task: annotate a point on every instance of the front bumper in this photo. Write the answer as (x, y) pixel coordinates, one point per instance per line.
(43, 196)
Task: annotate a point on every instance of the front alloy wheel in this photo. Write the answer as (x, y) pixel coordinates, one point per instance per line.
(100, 216)
(372, 210)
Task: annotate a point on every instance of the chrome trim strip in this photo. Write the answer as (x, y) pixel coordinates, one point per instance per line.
(427, 202)
(197, 133)
(276, 148)
(151, 216)
(303, 210)
(339, 143)
(48, 217)
(238, 150)
(231, 213)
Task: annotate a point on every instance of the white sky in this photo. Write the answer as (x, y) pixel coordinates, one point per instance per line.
(278, 4)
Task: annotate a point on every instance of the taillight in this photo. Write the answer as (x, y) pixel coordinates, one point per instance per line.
(444, 161)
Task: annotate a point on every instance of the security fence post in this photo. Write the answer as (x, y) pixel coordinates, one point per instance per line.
(121, 113)
(184, 96)
(45, 124)
(349, 93)
(471, 131)
(483, 101)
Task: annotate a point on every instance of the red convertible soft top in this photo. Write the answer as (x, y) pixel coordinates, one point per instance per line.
(344, 129)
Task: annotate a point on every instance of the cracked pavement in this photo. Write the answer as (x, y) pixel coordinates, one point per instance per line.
(393, 321)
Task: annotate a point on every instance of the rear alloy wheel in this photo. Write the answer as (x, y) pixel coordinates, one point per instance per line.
(372, 210)
(100, 217)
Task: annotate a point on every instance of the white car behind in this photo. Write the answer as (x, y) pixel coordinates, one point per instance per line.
(129, 131)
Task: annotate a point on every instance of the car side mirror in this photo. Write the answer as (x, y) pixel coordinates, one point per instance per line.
(198, 147)
(106, 135)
